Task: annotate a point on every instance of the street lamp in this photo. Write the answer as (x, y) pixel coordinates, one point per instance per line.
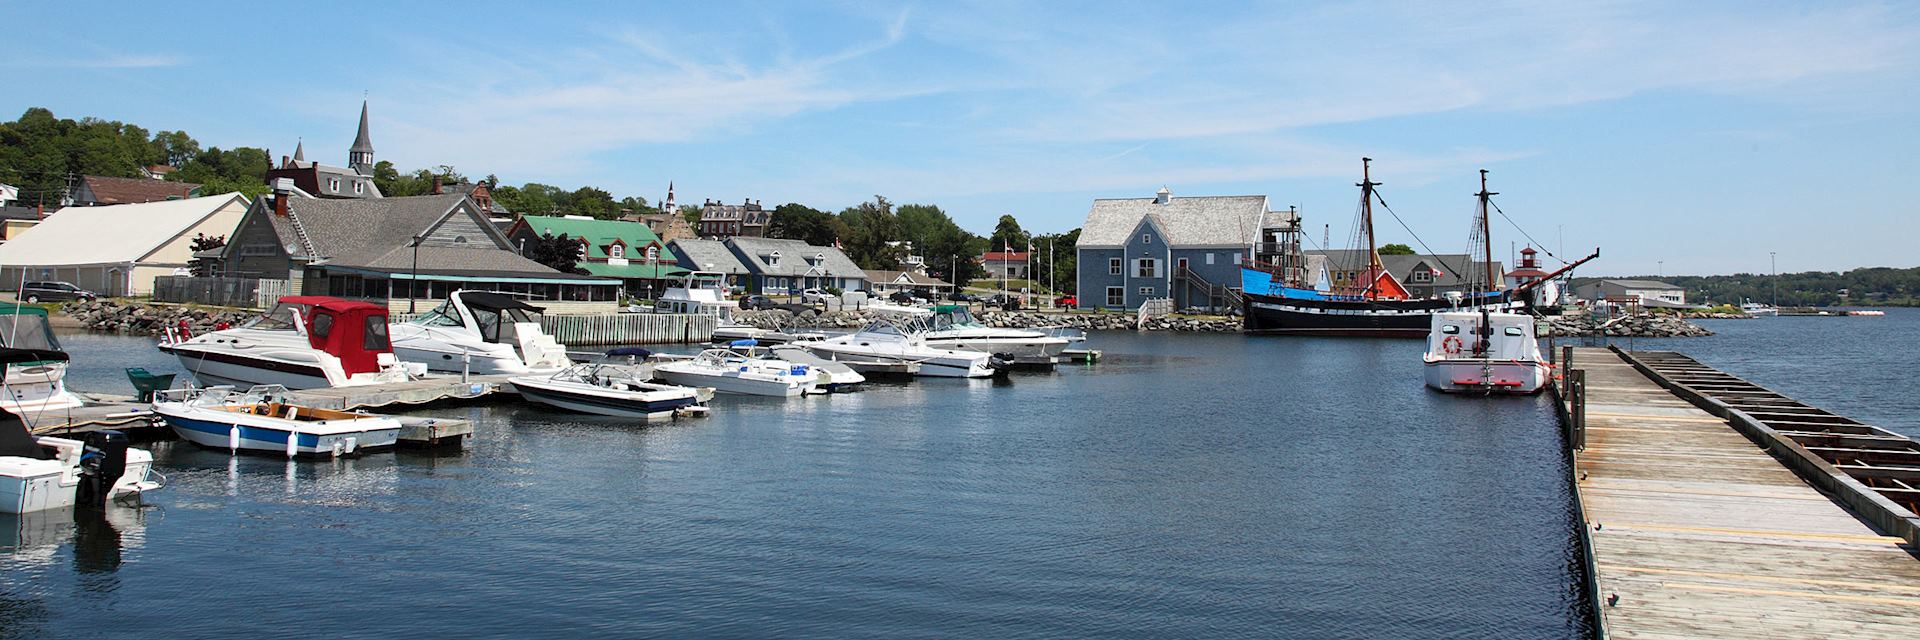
(412, 295)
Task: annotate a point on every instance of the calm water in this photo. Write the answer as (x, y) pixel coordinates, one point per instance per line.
(1189, 486)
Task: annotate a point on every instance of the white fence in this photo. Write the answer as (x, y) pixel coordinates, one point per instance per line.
(219, 292)
(1153, 308)
(621, 328)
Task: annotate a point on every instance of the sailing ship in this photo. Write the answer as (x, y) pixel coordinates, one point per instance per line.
(1283, 297)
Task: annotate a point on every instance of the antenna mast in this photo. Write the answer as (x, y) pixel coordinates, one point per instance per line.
(1486, 239)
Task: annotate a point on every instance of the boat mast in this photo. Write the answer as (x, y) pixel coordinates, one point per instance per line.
(1486, 239)
(1366, 217)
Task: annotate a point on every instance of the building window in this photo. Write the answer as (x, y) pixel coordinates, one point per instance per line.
(1236, 258)
(616, 251)
(359, 187)
(1146, 292)
(653, 253)
(1146, 238)
(1116, 297)
(773, 259)
(1146, 268)
(333, 184)
(1209, 258)
(1113, 266)
(1423, 275)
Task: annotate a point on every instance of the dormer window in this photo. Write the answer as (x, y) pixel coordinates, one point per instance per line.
(616, 251)
(653, 253)
(773, 259)
(359, 187)
(333, 184)
(819, 259)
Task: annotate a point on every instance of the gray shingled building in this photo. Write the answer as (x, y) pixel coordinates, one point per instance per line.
(1135, 249)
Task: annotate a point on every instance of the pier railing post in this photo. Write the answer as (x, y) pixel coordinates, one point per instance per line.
(1579, 411)
(1566, 372)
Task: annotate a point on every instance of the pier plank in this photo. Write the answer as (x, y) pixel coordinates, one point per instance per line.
(1698, 533)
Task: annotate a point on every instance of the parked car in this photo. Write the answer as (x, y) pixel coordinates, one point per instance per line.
(54, 290)
(1066, 301)
(815, 295)
(757, 302)
(1004, 301)
(901, 297)
(962, 296)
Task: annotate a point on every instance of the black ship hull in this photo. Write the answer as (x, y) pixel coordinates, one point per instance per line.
(1372, 319)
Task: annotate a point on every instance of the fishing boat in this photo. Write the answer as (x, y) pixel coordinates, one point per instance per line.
(888, 341)
(1283, 297)
(262, 419)
(1485, 352)
(304, 342)
(1759, 309)
(834, 376)
(729, 371)
(954, 327)
(480, 332)
(609, 390)
(40, 473)
(36, 367)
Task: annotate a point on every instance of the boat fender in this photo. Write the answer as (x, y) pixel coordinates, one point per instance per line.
(293, 444)
(233, 439)
(352, 444)
(1451, 345)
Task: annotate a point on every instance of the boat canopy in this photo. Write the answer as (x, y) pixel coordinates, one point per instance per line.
(353, 331)
(16, 441)
(27, 356)
(495, 301)
(27, 328)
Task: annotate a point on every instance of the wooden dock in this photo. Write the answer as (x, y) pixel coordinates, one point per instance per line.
(1696, 532)
(434, 388)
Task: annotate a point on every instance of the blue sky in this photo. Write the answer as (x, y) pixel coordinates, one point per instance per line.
(1680, 137)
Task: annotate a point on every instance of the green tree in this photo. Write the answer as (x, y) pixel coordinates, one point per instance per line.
(1057, 260)
(691, 214)
(559, 253)
(1398, 249)
(796, 221)
(203, 242)
(593, 202)
(871, 228)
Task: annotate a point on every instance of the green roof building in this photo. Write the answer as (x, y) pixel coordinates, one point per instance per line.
(615, 248)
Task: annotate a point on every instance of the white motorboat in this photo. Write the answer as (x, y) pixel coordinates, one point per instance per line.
(954, 327)
(834, 376)
(729, 371)
(609, 390)
(262, 420)
(1758, 309)
(480, 332)
(1485, 352)
(884, 341)
(36, 367)
(304, 342)
(43, 473)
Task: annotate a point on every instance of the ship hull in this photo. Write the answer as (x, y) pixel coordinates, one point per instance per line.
(1375, 319)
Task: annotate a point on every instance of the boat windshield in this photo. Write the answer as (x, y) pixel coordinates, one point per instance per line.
(492, 328)
(26, 330)
(440, 316)
(280, 318)
(883, 328)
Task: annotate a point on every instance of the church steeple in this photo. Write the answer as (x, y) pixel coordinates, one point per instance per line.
(300, 151)
(360, 156)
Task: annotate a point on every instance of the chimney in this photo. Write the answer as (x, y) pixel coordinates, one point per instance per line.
(283, 162)
(1162, 196)
(436, 185)
(282, 191)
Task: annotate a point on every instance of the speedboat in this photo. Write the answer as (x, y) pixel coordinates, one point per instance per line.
(36, 367)
(729, 371)
(1485, 352)
(480, 332)
(884, 341)
(834, 376)
(609, 390)
(261, 419)
(954, 327)
(1758, 309)
(304, 342)
(40, 473)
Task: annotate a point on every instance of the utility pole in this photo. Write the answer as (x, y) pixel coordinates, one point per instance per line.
(1773, 264)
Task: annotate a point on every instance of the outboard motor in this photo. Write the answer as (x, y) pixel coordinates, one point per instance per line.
(1000, 363)
(102, 462)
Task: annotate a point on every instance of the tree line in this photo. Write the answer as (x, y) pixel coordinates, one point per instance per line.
(44, 155)
(879, 235)
(1873, 286)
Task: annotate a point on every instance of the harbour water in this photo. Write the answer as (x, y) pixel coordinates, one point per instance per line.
(1187, 486)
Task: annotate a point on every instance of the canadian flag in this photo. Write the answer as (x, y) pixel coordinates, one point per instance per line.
(1436, 272)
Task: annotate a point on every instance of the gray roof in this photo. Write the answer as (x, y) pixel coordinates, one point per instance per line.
(1403, 266)
(878, 276)
(377, 234)
(749, 214)
(1634, 284)
(1202, 221)
(705, 255)
(797, 258)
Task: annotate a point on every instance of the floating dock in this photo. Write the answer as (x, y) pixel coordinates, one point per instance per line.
(1691, 530)
(433, 388)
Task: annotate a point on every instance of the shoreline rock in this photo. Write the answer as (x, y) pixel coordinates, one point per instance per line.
(780, 318)
(1638, 326)
(108, 316)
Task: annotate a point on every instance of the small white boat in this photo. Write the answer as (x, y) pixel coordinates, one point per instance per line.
(480, 332)
(954, 327)
(43, 473)
(261, 420)
(729, 371)
(36, 367)
(304, 342)
(1757, 309)
(1485, 352)
(884, 341)
(609, 390)
(834, 376)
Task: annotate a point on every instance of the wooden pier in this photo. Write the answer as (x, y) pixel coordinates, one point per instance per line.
(436, 387)
(1696, 528)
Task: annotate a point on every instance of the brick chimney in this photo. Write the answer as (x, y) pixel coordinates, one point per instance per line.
(436, 185)
(282, 191)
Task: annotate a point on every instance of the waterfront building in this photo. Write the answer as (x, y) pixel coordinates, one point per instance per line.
(1005, 264)
(406, 252)
(719, 221)
(1135, 249)
(614, 248)
(326, 181)
(117, 250)
(771, 265)
(882, 283)
(1649, 293)
(93, 191)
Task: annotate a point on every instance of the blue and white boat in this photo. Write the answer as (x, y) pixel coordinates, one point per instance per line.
(611, 390)
(260, 419)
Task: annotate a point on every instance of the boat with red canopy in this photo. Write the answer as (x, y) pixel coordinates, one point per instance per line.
(304, 342)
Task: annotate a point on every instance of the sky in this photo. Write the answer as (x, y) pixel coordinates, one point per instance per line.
(1679, 138)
